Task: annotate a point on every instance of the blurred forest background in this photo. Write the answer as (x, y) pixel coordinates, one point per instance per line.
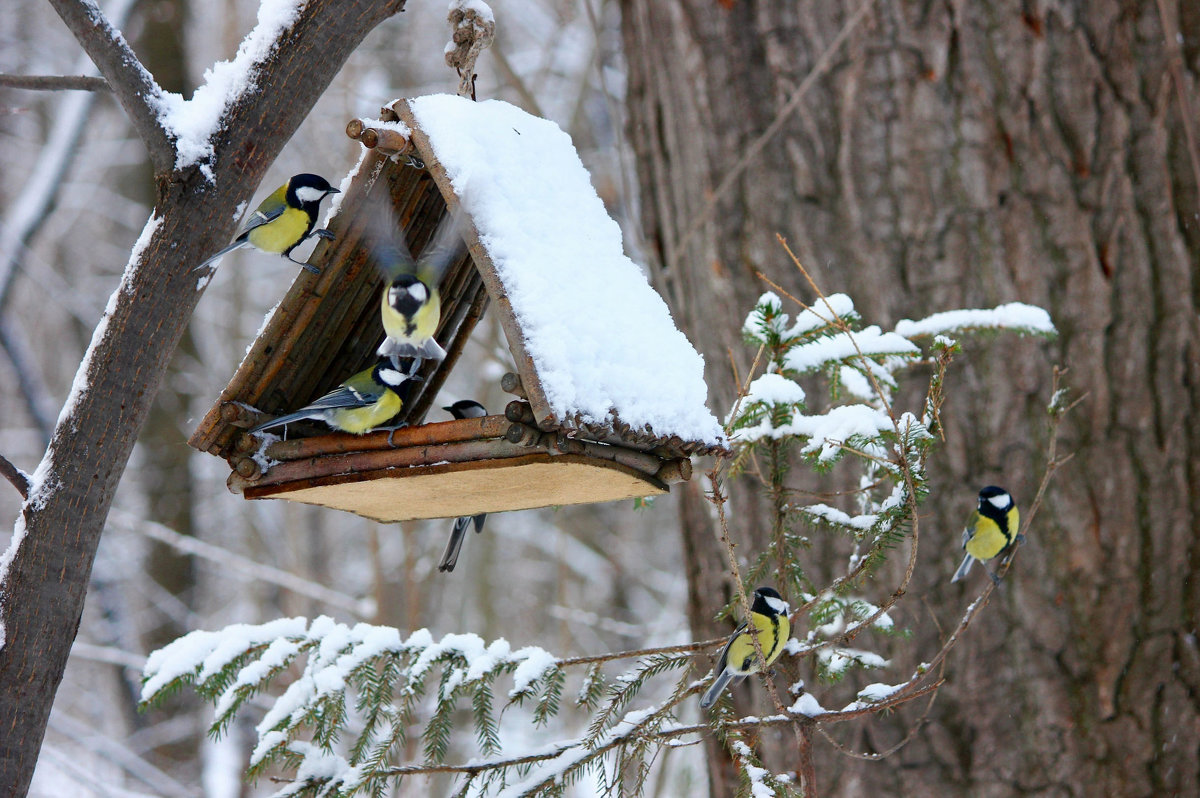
(920, 157)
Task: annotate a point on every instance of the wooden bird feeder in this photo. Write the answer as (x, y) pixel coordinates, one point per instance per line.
(328, 327)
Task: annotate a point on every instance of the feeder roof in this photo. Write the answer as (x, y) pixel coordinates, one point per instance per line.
(594, 345)
(601, 340)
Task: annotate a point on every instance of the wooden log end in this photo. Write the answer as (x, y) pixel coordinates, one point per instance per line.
(354, 128)
(519, 411)
(247, 468)
(511, 383)
(246, 443)
(522, 434)
(675, 471)
(237, 414)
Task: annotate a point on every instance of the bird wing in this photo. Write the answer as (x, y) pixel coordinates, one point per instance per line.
(446, 247)
(724, 659)
(262, 215)
(346, 396)
(969, 530)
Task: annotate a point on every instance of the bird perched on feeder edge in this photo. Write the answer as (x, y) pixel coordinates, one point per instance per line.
(769, 615)
(464, 408)
(990, 531)
(284, 220)
(360, 404)
(411, 306)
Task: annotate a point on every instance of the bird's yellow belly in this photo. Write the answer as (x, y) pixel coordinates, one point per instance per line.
(280, 235)
(987, 542)
(361, 420)
(421, 326)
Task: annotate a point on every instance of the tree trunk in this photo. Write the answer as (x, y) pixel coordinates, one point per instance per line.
(46, 582)
(966, 155)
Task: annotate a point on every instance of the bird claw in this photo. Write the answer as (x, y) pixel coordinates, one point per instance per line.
(324, 233)
(308, 267)
(392, 431)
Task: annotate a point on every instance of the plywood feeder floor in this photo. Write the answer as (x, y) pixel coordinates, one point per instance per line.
(450, 489)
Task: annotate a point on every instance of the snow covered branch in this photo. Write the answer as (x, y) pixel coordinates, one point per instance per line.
(131, 83)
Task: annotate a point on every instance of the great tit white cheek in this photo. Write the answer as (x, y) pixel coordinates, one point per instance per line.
(779, 605)
(309, 194)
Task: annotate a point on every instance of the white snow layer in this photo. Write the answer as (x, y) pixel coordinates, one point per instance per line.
(1014, 315)
(602, 340)
(192, 123)
(481, 9)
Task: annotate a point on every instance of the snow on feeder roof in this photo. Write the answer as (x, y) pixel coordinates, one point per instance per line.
(611, 395)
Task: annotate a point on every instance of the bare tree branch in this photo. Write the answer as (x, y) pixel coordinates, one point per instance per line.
(38, 400)
(133, 86)
(55, 82)
(48, 570)
(18, 478)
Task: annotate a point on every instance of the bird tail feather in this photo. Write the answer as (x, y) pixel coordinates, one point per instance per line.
(299, 415)
(454, 545)
(221, 253)
(963, 569)
(428, 349)
(718, 686)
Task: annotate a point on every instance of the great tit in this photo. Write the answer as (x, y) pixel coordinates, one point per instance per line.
(769, 614)
(991, 530)
(284, 220)
(464, 408)
(411, 306)
(360, 404)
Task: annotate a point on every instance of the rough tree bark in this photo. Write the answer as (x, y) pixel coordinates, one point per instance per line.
(964, 155)
(46, 583)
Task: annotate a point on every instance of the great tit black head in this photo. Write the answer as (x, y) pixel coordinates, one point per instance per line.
(407, 294)
(305, 191)
(767, 601)
(466, 408)
(994, 502)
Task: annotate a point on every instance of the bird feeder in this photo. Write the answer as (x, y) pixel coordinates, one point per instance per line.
(574, 432)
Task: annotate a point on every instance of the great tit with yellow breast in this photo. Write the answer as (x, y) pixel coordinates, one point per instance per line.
(284, 220)
(464, 408)
(769, 615)
(991, 530)
(360, 404)
(411, 306)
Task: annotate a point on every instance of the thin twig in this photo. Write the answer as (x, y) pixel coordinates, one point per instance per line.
(641, 652)
(54, 82)
(19, 479)
(639, 730)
